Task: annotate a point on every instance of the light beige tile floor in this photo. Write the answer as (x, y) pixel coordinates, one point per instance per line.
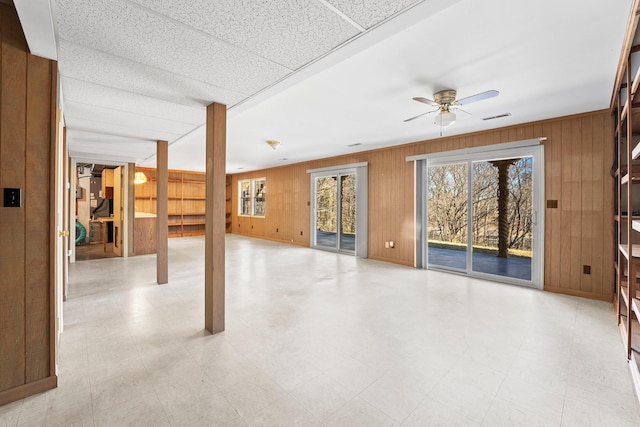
(315, 338)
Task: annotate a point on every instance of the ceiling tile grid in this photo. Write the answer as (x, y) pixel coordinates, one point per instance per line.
(85, 64)
(368, 13)
(120, 29)
(291, 33)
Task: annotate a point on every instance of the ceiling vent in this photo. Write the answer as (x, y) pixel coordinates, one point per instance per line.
(499, 116)
(355, 145)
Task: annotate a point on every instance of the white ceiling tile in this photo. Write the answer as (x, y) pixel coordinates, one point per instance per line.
(371, 12)
(291, 33)
(93, 114)
(117, 129)
(91, 145)
(145, 37)
(82, 63)
(101, 96)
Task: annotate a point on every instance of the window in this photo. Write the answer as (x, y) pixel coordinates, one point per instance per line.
(245, 197)
(252, 194)
(259, 197)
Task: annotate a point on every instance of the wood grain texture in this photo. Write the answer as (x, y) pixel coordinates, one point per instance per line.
(131, 197)
(162, 203)
(37, 201)
(145, 235)
(577, 233)
(27, 135)
(214, 289)
(12, 220)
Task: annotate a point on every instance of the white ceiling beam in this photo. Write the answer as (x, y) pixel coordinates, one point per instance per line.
(37, 24)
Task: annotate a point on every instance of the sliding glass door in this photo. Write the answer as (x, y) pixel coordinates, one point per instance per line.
(502, 217)
(481, 212)
(335, 212)
(447, 198)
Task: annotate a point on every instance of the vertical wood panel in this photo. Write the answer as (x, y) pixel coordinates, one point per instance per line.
(12, 220)
(37, 202)
(214, 289)
(589, 227)
(162, 203)
(575, 213)
(27, 117)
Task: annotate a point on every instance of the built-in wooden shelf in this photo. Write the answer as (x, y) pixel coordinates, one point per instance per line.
(635, 251)
(186, 200)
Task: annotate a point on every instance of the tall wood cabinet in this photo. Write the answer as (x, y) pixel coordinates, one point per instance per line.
(626, 110)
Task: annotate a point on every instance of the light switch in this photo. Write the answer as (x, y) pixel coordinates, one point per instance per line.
(12, 198)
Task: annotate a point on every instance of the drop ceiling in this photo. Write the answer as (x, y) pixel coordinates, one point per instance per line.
(323, 77)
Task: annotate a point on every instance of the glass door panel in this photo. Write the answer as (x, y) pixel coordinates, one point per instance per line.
(326, 215)
(447, 223)
(348, 213)
(502, 228)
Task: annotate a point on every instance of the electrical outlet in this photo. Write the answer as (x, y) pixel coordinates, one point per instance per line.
(386, 245)
(586, 269)
(392, 245)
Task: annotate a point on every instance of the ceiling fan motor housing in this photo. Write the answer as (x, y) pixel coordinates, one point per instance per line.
(445, 97)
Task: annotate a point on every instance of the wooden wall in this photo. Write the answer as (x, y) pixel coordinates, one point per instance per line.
(27, 114)
(578, 157)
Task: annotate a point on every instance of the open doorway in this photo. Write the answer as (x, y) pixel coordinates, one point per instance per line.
(98, 196)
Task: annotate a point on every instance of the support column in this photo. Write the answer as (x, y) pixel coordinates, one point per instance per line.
(214, 286)
(131, 208)
(162, 211)
(503, 203)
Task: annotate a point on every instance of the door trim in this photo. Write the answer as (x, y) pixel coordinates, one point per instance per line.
(362, 190)
(519, 149)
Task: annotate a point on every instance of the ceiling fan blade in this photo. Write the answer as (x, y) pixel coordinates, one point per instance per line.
(420, 115)
(477, 97)
(426, 101)
(462, 114)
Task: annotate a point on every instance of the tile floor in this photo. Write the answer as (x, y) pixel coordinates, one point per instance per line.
(320, 339)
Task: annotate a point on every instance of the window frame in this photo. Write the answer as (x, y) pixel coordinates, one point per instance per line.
(250, 198)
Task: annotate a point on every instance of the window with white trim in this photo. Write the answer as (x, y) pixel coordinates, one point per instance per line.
(252, 194)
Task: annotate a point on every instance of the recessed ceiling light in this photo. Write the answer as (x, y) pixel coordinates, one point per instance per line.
(499, 116)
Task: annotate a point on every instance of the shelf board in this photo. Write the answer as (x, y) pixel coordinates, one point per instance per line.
(635, 251)
(193, 223)
(635, 223)
(635, 177)
(636, 151)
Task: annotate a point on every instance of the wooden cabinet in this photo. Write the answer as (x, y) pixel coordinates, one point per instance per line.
(107, 183)
(627, 207)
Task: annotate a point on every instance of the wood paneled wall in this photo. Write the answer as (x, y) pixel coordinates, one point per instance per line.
(27, 132)
(578, 158)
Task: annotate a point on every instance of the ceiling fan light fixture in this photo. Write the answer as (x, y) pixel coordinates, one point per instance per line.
(445, 118)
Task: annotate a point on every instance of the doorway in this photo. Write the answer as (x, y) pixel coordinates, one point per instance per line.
(483, 214)
(338, 209)
(98, 207)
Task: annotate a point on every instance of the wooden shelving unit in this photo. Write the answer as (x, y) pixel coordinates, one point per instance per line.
(187, 196)
(626, 110)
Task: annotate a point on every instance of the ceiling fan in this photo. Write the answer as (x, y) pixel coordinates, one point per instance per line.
(445, 101)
